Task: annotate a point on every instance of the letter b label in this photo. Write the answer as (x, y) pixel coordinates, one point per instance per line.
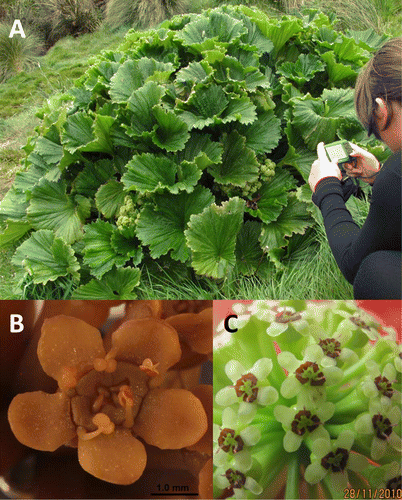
(16, 325)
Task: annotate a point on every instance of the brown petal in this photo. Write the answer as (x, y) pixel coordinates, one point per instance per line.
(118, 458)
(194, 329)
(40, 420)
(205, 486)
(67, 347)
(171, 419)
(136, 340)
(204, 394)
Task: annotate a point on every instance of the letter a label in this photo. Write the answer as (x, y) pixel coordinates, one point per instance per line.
(17, 29)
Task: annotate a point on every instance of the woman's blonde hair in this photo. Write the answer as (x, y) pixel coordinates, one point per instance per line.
(381, 77)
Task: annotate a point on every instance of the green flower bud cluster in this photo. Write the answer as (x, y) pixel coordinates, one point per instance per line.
(128, 213)
(307, 398)
(266, 174)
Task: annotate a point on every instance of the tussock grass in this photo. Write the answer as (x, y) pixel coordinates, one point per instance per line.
(143, 13)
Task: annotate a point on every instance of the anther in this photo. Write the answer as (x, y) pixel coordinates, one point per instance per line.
(227, 441)
(104, 424)
(331, 347)
(382, 426)
(310, 372)
(286, 316)
(336, 461)
(246, 387)
(236, 478)
(149, 368)
(108, 363)
(384, 386)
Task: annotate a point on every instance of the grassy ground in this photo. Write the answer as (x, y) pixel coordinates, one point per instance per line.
(23, 94)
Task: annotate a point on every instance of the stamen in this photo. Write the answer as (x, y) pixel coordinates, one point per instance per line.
(104, 424)
(99, 401)
(126, 400)
(310, 372)
(246, 387)
(108, 363)
(149, 368)
(236, 478)
(359, 322)
(382, 426)
(336, 461)
(287, 316)
(303, 421)
(384, 386)
(331, 347)
(229, 442)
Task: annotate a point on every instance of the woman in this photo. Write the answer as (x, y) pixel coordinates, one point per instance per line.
(370, 256)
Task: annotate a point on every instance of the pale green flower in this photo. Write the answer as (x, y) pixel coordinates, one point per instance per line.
(249, 386)
(333, 459)
(307, 378)
(379, 422)
(301, 422)
(232, 441)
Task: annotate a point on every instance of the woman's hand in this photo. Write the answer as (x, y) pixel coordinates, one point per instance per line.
(322, 168)
(367, 165)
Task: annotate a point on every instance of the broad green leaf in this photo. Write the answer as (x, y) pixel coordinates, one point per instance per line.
(52, 208)
(201, 150)
(149, 173)
(205, 33)
(239, 164)
(134, 74)
(279, 31)
(338, 72)
(273, 196)
(125, 243)
(239, 109)
(161, 226)
(51, 152)
(102, 131)
(300, 158)
(99, 253)
(294, 218)
(204, 105)
(126, 79)
(93, 176)
(303, 70)
(117, 284)
(212, 236)
(46, 257)
(195, 72)
(140, 104)
(318, 119)
(14, 205)
(249, 254)
(171, 133)
(231, 70)
(14, 231)
(263, 135)
(109, 198)
(77, 131)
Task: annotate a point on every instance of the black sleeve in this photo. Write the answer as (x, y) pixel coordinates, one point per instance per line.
(382, 228)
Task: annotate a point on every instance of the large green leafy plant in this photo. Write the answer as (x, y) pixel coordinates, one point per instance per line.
(189, 145)
(307, 403)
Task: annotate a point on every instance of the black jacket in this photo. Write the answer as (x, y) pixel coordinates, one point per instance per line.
(382, 228)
